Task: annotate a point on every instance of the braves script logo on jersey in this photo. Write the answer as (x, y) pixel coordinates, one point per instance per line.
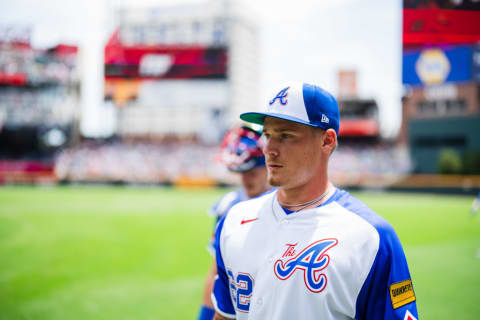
(311, 260)
(281, 96)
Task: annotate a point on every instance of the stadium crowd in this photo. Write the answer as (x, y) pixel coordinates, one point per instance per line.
(48, 106)
(149, 162)
(136, 162)
(366, 164)
(36, 65)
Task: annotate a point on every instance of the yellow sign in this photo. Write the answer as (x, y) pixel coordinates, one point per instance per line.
(432, 66)
(402, 293)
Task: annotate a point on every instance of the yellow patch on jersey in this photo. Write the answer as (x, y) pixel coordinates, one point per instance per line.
(401, 293)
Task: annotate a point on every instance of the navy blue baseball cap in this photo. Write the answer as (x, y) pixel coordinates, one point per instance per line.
(303, 103)
(241, 149)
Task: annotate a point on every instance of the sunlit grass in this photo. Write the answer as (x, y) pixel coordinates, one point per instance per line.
(139, 253)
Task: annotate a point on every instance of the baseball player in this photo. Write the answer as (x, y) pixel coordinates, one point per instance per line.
(307, 250)
(241, 152)
(474, 208)
(475, 205)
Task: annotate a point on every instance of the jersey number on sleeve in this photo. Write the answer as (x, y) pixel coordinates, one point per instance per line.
(241, 289)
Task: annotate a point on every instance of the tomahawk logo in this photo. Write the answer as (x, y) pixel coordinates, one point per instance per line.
(409, 316)
(311, 261)
(281, 96)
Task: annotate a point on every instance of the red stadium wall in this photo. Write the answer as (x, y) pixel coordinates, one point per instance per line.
(359, 128)
(164, 62)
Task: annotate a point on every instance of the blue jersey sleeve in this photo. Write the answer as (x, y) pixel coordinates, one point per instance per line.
(221, 290)
(388, 291)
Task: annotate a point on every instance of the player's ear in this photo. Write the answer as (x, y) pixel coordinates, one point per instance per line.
(329, 141)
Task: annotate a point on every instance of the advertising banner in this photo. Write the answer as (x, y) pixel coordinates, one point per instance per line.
(164, 61)
(440, 22)
(434, 66)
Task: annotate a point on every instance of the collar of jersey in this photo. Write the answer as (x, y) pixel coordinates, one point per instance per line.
(281, 214)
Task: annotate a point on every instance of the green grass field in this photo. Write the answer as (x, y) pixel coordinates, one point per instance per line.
(139, 253)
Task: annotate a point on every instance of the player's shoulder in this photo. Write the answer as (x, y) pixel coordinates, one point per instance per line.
(360, 209)
(228, 200)
(388, 241)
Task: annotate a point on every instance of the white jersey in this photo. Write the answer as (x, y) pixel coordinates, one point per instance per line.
(337, 261)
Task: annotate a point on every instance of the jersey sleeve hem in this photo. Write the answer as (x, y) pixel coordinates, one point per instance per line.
(217, 309)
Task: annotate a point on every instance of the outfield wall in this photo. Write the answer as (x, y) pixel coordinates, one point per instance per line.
(456, 184)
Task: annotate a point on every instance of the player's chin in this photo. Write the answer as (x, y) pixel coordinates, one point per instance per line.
(274, 180)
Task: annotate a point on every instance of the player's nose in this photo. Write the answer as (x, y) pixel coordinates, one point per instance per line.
(270, 148)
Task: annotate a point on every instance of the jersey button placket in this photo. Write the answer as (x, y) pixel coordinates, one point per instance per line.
(259, 302)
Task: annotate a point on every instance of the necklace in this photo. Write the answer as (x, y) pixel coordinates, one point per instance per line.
(305, 204)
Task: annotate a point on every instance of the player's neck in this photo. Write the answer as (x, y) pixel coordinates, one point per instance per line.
(304, 193)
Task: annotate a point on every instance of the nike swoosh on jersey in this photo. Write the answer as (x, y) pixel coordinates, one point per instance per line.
(249, 220)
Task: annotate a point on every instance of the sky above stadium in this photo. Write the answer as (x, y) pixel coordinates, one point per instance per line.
(304, 40)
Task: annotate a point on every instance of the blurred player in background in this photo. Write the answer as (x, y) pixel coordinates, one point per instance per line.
(475, 205)
(474, 208)
(241, 152)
